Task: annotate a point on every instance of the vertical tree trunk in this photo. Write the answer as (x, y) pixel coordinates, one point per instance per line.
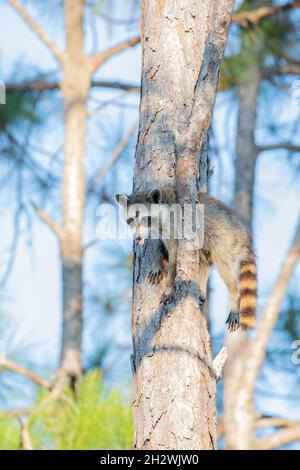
(238, 411)
(174, 383)
(75, 86)
(239, 415)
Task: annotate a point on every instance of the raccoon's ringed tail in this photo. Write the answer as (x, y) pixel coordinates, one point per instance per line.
(248, 293)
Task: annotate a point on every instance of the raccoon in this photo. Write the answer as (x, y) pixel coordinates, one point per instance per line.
(227, 245)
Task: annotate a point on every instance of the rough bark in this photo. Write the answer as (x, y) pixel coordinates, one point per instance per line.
(174, 382)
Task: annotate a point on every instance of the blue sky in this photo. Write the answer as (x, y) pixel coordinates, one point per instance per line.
(33, 293)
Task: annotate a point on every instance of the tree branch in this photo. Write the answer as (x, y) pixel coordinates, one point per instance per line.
(219, 362)
(114, 157)
(271, 422)
(283, 145)
(244, 18)
(279, 438)
(45, 218)
(42, 85)
(25, 436)
(102, 57)
(14, 367)
(284, 69)
(262, 422)
(36, 28)
(257, 348)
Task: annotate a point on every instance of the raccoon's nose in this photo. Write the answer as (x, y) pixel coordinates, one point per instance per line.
(136, 236)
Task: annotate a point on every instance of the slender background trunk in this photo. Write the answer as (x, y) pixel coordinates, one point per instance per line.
(238, 411)
(246, 357)
(75, 86)
(174, 383)
(77, 70)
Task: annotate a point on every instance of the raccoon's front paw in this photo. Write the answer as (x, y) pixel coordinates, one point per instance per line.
(155, 277)
(233, 321)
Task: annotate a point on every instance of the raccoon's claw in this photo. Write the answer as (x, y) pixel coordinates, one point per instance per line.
(233, 321)
(165, 297)
(155, 277)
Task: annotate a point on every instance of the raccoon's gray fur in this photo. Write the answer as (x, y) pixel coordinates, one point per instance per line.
(227, 245)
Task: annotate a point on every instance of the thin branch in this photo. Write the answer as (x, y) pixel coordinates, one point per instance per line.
(18, 413)
(270, 422)
(36, 28)
(280, 146)
(45, 218)
(91, 243)
(245, 18)
(102, 57)
(261, 422)
(14, 367)
(25, 436)
(219, 362)
(42, 85)
(130, 87)
(284, 69)
(257, 348)
(279, 438)
(114, 157)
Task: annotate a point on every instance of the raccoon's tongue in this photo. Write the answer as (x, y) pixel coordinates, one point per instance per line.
(141, 241)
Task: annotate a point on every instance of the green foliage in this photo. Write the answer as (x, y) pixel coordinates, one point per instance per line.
(94, 420)
(20, 106)
(263, 43)
(9, 433)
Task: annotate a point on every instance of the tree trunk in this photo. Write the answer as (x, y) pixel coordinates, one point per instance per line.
(75, 86)
(174, 383)
(245, 357)
(238, 408)
(238, 411)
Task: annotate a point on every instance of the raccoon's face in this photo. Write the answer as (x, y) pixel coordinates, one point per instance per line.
(142, 214)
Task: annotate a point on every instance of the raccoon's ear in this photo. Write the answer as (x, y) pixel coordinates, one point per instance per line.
(154, 196)
(121, 198)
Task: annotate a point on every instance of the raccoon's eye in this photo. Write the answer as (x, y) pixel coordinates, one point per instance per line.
(129, 221)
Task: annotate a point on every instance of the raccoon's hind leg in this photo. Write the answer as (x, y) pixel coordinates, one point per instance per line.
(158, 273)
(229, 275)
